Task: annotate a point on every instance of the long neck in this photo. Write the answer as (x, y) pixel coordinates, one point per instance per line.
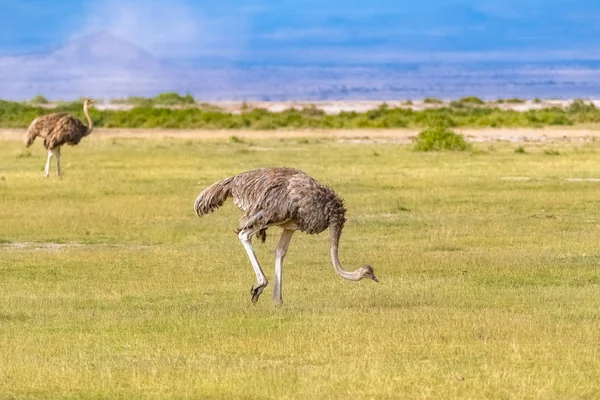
(335, 230)
(89, 120)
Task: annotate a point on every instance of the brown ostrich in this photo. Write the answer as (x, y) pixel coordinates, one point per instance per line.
(287, 198)
(58, 129)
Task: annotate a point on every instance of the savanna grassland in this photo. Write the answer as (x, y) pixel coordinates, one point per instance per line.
(111, 287)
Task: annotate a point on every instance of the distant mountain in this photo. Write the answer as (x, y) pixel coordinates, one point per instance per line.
(99, 64)
(104, 49)
(102, 65)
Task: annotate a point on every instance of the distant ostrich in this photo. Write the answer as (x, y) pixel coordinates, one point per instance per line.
(287, 198)
(58, 129)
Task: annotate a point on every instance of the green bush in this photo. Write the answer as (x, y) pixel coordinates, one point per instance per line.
(457, 104)
(39, 99)
(520, 150)
(439, 138)
(163, 99)
(139, 101)
(172, 99)
(580, 106)
(472, 100)
(432, 100)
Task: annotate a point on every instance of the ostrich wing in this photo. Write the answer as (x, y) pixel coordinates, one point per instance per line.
(66, 130)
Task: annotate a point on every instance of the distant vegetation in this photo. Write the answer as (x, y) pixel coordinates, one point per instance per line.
(514, 100)
(466, 112)
(39, 99)
(163, 99)
(472, 100)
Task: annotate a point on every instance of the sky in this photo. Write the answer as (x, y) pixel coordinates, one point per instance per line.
(345, 31)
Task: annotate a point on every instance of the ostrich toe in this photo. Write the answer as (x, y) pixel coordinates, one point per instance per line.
(256, 291)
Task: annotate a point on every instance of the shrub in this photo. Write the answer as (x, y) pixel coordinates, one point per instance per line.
(39, 99)
(472, 100)
(520, 150)
(439, 119)
(515, 100)
(439, 138)
(140, 101)
(457, 104)
(172, 99)
(432, 100)
(580, 106)
(312, 111)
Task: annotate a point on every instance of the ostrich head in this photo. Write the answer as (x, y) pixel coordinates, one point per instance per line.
(88, 102)
(366, 271)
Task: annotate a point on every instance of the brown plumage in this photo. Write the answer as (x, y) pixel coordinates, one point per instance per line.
(283, 197)
(58, 129)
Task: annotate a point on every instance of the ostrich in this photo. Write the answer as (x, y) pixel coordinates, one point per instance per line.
(58, 129)
(287, 198)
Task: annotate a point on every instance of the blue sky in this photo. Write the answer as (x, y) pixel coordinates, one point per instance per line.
(311, 30)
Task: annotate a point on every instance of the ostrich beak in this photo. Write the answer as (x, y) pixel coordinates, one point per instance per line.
(375, 278)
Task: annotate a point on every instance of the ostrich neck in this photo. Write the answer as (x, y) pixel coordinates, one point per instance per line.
(89, 120)
(336, 231)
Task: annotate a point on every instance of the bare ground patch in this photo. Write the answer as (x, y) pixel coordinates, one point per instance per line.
(357, 136)
(50, 246)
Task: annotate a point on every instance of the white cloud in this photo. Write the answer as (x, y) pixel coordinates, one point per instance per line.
(165, 28)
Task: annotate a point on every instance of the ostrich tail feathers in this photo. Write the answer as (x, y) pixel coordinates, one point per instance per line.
(212, 197)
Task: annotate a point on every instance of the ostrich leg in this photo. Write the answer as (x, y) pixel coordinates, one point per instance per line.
(280, 252)
(47, 169)
(261, 279)
(57, 152)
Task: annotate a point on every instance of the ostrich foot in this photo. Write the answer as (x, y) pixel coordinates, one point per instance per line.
(256, 291)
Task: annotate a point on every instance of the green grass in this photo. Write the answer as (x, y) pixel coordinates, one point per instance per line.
(489, 288)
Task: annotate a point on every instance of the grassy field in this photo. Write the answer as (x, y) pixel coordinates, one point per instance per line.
(111, 287)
